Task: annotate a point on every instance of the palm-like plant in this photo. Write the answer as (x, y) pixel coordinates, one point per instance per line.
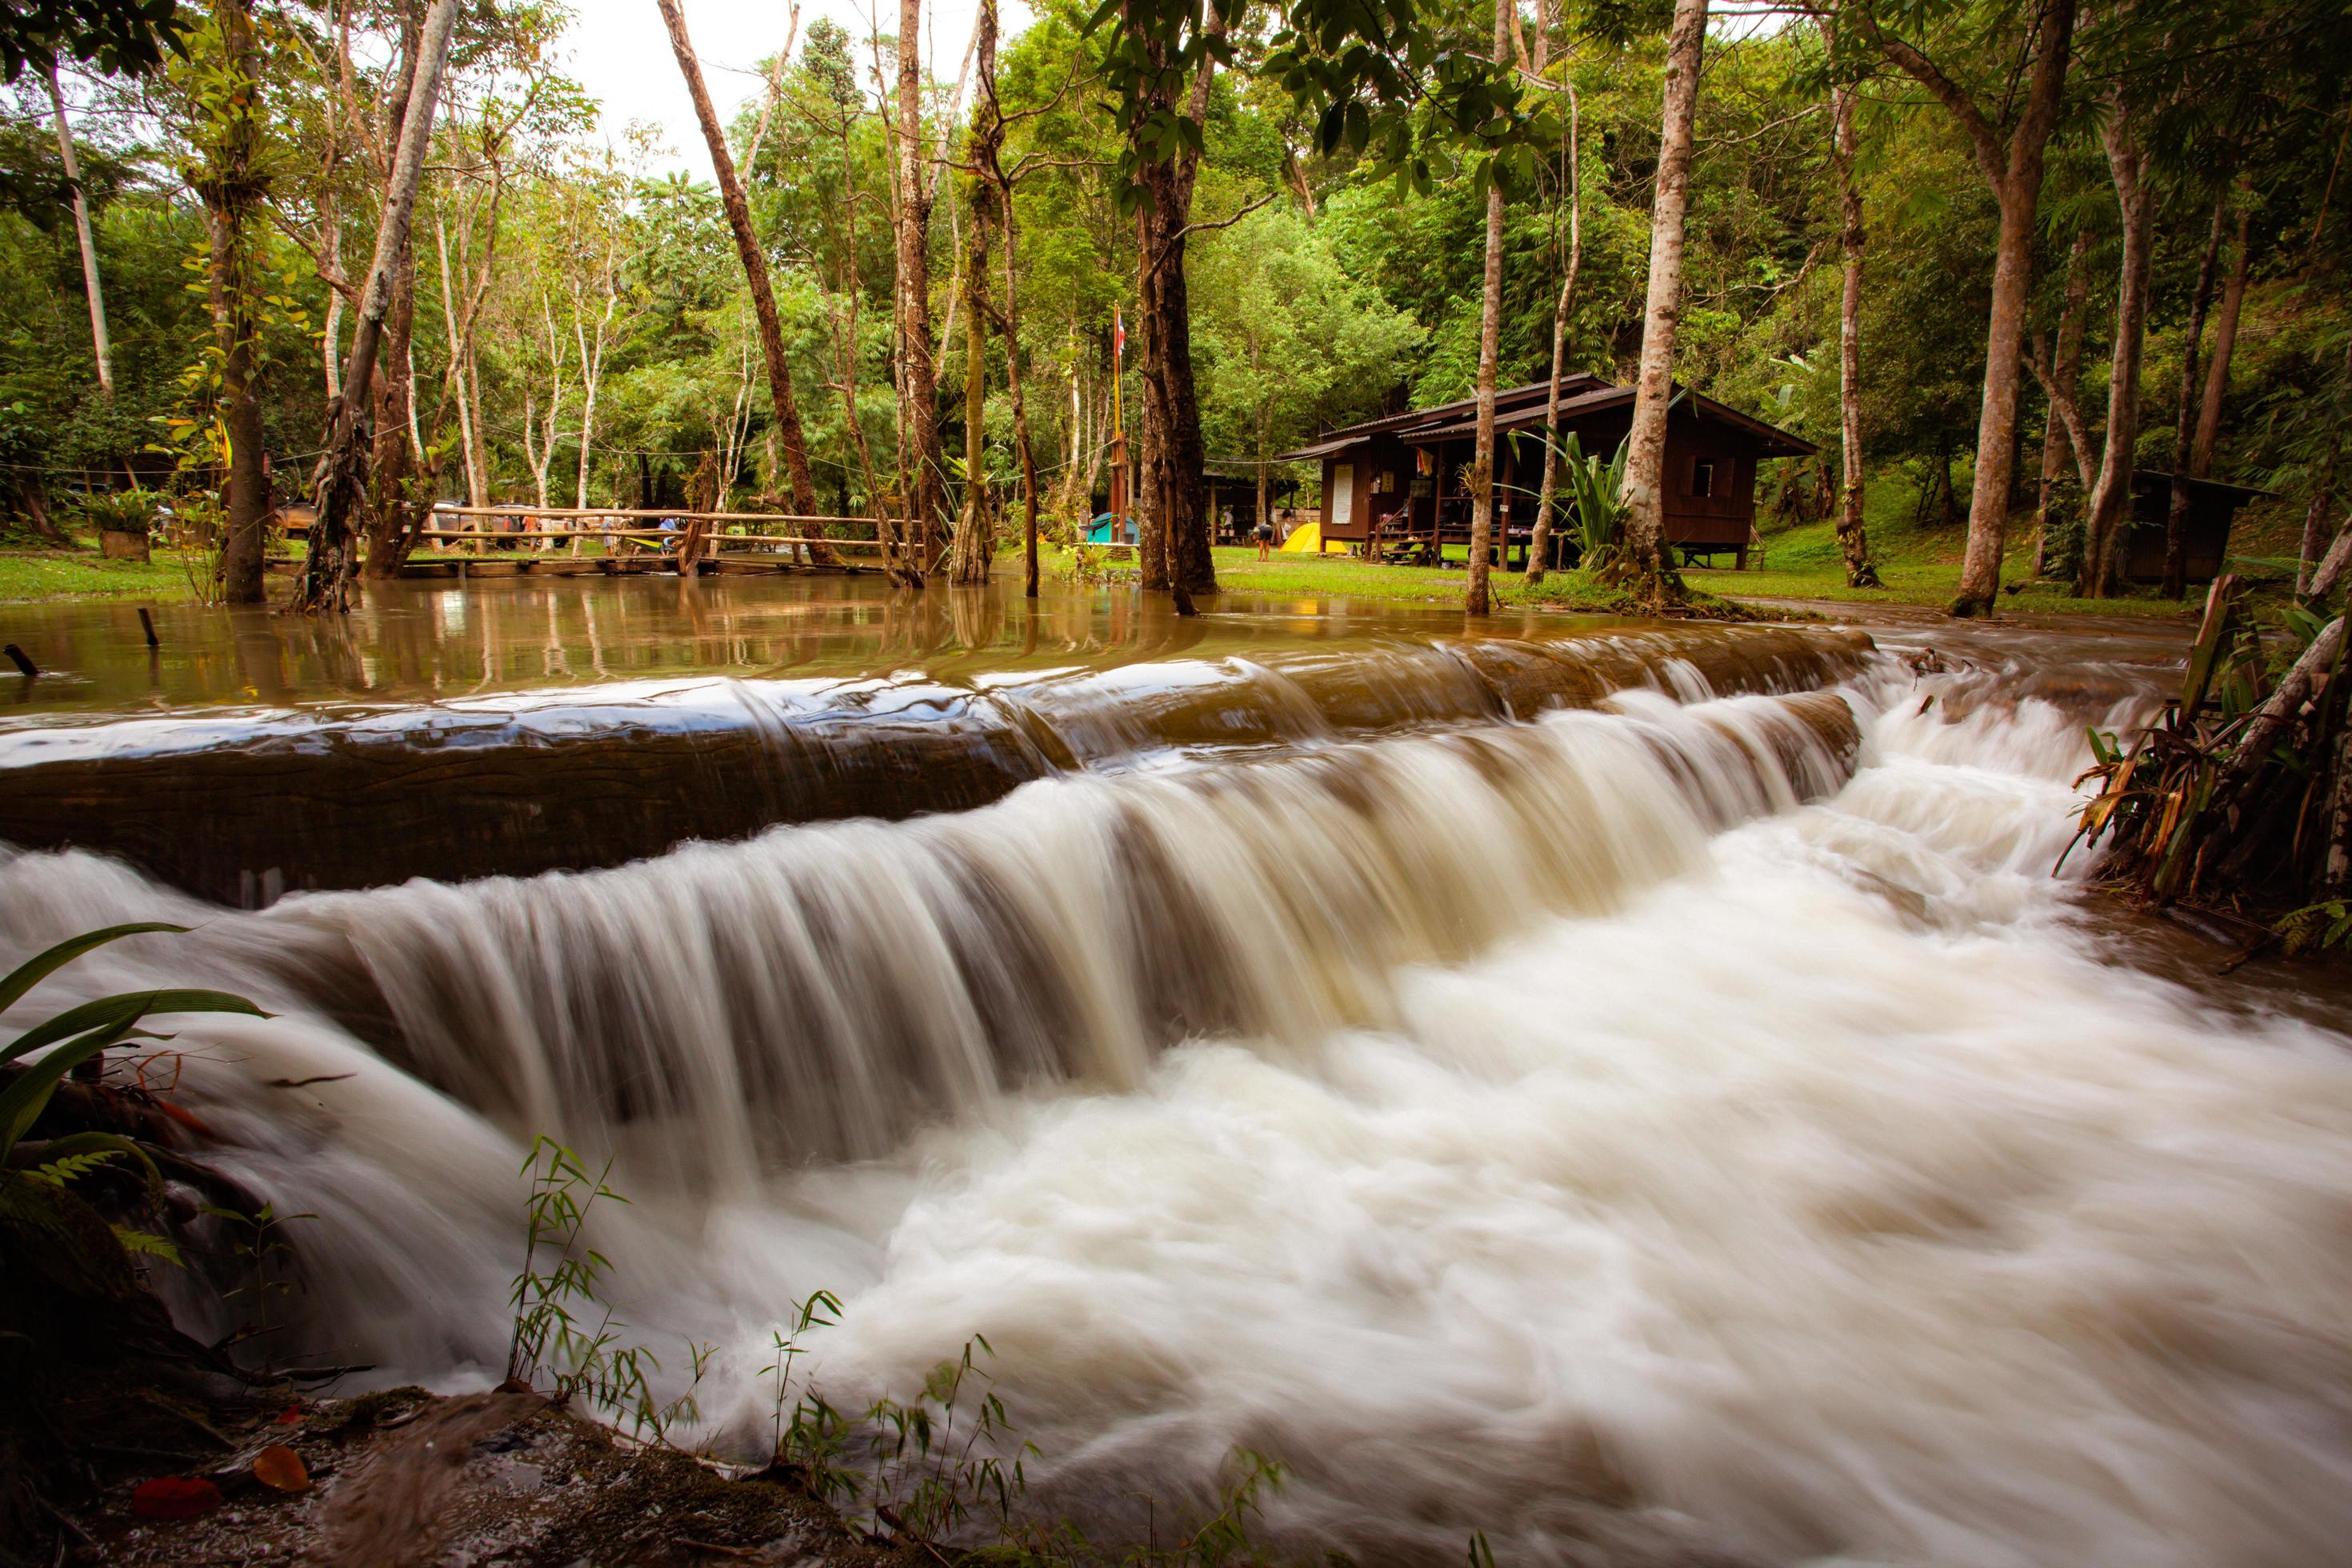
(71, 1244)
(1595, 495)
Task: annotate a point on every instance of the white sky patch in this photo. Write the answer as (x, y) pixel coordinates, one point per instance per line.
(620, 52)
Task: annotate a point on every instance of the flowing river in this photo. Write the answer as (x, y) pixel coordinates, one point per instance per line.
(1679, 1121)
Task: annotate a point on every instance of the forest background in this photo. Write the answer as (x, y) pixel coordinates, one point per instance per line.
(577, 330)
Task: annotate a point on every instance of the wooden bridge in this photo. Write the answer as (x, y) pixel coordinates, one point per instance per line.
(695, 542)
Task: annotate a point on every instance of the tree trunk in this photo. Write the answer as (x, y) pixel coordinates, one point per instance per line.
(459, 381)
(994, 146)
(974, 541)
(2014, 173)
(391, 517)
(2111, 502)
(1539, 538)
(917, 376)
(2176, 516)
(2225, 344)
(1645, 463)
(342, 470)
(1174, 456)
(232, 187)
(2063, 431)
(2307, 574)
(1144, 497)
(82, 234)
(330, 339)
(592, 374)
(783, 408)
(1475, 597)
(1852, 539)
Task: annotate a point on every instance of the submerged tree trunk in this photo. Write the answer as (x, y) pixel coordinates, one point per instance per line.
(1645, 463)
(232, 186)
(783, 407)
(2110, 506)
(1852, 539)
(2175, 515)
(82, 234)
(2014, 173)
(342, 470)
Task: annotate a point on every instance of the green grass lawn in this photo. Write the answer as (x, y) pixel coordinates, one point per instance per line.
(1919, 566)
(38, 574)
(1343, 576)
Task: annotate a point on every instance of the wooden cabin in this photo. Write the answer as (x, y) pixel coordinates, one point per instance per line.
(2212, 507)
(1393, 487)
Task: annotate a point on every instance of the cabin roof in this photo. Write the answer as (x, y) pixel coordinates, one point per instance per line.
(2240, 495)
(1771, 439)
(1525, 408)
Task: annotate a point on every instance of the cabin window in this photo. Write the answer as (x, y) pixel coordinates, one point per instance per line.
(1703, 477)
(1343, 500)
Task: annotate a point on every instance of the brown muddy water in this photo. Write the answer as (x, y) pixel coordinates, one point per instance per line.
(1640, 1094)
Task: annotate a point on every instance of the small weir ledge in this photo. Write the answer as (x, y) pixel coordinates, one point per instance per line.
(243, 808)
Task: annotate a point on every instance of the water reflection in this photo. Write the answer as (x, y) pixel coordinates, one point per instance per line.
(419, 642)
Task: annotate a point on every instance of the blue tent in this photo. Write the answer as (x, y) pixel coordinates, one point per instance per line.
(1106, 530)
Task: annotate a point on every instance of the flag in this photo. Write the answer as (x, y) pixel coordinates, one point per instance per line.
(1118, 333)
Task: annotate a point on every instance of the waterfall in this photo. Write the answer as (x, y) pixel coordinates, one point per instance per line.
(1677, 1126)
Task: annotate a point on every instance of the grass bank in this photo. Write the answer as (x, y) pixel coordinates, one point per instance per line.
(33, 575)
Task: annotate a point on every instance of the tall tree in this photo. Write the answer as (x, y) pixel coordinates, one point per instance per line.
(974, 538)
(1645, 463)
(82, 234)
(2110, 506)
(343, 469)
(2225, 339)
(395, 514)
(917, 376)
(1853, 541)
(2062, 433)
(784, 408)
(1474, 598)
(2175, 515)
(228, 177)
(2011, 165)
(993, 151)
(1162, 60)
(1572, 180)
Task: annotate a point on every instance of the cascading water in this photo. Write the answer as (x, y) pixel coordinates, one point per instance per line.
(1670, 1131)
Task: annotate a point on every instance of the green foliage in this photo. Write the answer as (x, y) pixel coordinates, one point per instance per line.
(564, 1327)
(264, 1260)
(127, 511)
(125, 36)
(80, 1032)
(2327, 924)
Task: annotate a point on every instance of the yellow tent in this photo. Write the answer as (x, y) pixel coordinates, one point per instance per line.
(1305, 539)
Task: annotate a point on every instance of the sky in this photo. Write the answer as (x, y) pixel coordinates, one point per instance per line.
(620, 52)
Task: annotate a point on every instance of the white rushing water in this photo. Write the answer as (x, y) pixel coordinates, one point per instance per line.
(1628, 1135)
